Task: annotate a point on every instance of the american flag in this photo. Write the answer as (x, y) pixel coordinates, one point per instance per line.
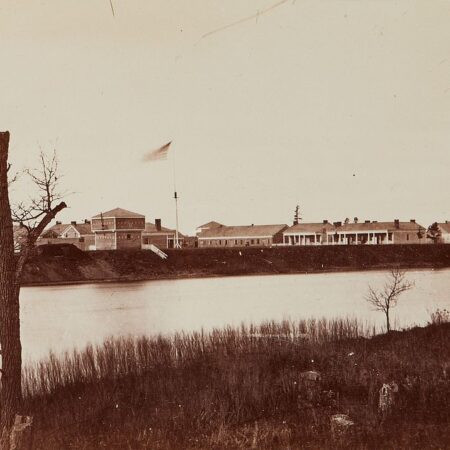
(159, 154)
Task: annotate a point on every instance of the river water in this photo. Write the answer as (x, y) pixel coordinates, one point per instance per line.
(59, 318)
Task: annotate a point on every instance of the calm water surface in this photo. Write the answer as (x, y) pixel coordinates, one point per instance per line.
(60, 318)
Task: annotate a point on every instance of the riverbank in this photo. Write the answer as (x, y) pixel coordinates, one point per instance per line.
(273, 386)
(65, 264)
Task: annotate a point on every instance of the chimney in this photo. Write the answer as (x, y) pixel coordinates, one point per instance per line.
(58, 222)
(325, 221)
(413, 220)
(367, 221)
(87, 221)
(74, 222)
(337, 224)
(158, 224)
(355, 220)
(397, 223)
(374, 221)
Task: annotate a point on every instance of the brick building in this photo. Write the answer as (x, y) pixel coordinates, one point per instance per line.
(118, 229)
(162, 237)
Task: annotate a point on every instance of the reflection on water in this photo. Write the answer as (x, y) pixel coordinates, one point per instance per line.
(63, 317)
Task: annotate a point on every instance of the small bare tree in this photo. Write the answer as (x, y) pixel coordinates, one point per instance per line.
(32, 219)
(386, 298)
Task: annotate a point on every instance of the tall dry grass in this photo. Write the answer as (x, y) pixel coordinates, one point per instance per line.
(241, 387)
(125, 356)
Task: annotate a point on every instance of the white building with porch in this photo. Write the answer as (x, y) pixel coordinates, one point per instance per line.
(378, 233)
(357, 233)
(308, 233)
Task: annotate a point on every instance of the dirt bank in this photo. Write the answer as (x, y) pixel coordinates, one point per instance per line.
(66, 264)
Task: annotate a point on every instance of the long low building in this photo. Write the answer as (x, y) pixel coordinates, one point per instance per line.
(308, 233)
(218, 235)
(368, 232)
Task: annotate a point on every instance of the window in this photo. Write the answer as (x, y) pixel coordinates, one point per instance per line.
(407, 237)
(128, 236)
(257, 241)
(252, 241)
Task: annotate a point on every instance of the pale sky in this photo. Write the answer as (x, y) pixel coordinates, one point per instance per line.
(340, 106)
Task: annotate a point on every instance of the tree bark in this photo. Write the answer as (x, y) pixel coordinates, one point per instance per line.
(11, 349)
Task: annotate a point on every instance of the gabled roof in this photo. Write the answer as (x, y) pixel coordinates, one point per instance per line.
(242, 231)
(150, 228)
(82, 228)
(119, 213)
(57, 229)
(390, 226)
(310, 228)
(212, 224)
(444, 227)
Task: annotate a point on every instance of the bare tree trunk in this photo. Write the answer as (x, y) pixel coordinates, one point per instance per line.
(388, 323)
(11, 349)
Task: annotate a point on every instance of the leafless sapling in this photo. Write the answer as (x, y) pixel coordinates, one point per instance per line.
(387, 297)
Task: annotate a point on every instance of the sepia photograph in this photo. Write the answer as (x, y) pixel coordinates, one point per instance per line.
(225, 225)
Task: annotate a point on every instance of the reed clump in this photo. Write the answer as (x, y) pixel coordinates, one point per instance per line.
(244, 387)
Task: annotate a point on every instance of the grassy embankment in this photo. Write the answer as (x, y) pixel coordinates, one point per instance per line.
(242, 388)
(67, 264)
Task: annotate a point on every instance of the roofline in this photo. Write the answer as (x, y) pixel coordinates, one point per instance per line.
(69, 226)
(237, 237)
(117, 217)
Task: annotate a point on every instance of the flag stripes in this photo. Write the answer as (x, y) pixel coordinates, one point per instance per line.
(159, 154)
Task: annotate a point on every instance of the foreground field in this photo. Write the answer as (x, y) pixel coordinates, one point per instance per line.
(272, 386)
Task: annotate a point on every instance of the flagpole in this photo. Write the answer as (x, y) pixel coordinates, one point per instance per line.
(158, 155)
(175, 196)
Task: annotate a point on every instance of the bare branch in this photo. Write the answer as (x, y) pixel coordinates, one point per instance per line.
(387, 297)
(33, 234)
(35, 214)
(46, 180)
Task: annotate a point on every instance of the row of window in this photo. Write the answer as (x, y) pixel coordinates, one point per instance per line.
(234, 242)
(110, 236)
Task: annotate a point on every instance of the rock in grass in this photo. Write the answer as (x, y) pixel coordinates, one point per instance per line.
(387, 397)
(341, 425)
(310, 381)
(311, 375)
